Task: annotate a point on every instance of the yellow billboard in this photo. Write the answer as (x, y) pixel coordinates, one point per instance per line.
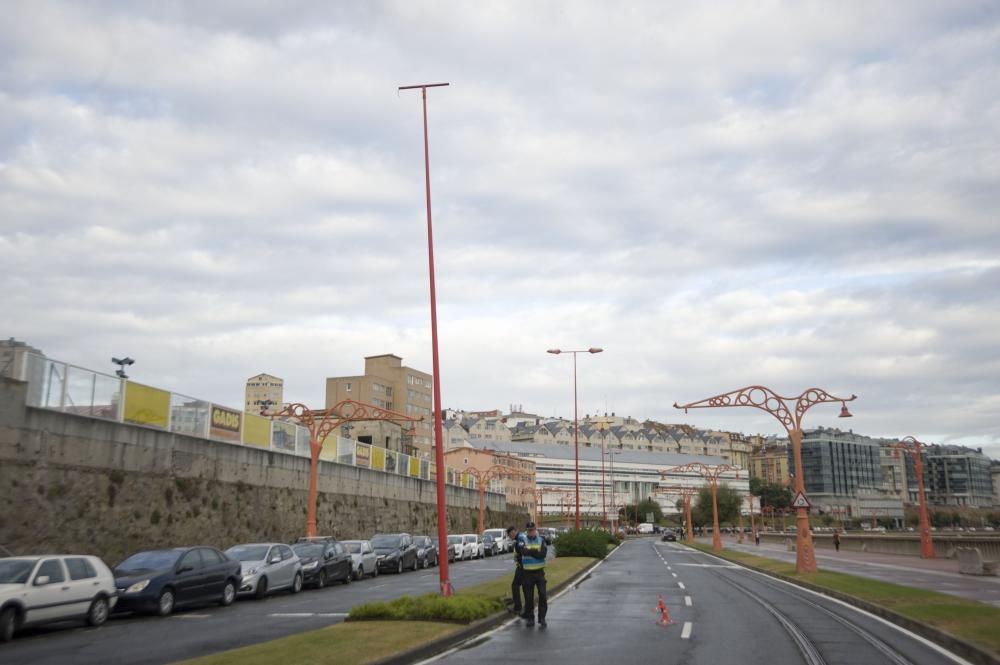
(256, 430)
(415, 467)
(328, 451)
(225, 424)
(145, 405)
(378, 458)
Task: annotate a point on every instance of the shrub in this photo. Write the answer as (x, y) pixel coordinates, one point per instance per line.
(428, 607)
(585, 542)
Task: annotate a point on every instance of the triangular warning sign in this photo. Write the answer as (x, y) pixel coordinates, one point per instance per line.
(800, 501)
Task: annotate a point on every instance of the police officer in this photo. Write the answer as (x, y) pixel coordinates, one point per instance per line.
(517, 584)
(532, 550)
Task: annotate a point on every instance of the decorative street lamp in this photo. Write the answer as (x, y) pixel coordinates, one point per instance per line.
(686, 493)
(320, 424)
(602, 425)
(483, 477)
(614, 501)
(766, 399)
(911, 445)
(442, 519)
(711, 474)
(576, 425)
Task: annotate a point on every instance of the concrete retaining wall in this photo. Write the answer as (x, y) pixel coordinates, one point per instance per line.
(76, 484)
(898, 544)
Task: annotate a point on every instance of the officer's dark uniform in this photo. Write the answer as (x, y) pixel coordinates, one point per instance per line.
(533, 551)
(517, 584)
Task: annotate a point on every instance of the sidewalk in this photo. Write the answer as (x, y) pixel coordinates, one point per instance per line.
(933, 574)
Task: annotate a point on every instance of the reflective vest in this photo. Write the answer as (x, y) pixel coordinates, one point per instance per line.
(531, 553)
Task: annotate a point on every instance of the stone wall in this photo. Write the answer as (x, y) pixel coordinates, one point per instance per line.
(75, 484)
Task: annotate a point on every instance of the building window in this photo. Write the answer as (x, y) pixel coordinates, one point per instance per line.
(347, 387)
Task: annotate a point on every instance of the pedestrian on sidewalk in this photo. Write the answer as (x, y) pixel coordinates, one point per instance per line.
(836, 539)
(533, 550)
(517, 584)
(756, 537)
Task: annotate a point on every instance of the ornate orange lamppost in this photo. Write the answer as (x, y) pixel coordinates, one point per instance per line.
(753, 524)
(764, 398)
(483, 477)
(320, 424)
(913, 446)
(711, 474)
(686, 493)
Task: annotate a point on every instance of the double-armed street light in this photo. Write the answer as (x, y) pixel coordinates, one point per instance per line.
(711, 474)
(761, 397)
(576, 425)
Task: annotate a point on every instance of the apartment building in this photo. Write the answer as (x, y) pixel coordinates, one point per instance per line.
(770, 464)
(512, 476)
(389, 384)
(264, 392)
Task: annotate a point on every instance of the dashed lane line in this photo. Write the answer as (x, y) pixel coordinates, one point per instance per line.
(687, 600)
(686, 631)
(674, 574)
(680, 585)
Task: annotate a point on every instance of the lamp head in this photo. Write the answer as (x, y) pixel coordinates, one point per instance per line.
(594, 349)
(844, 413)
(555, 351)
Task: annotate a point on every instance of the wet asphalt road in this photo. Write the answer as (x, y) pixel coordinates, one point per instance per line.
(135, 640)
(720, 614)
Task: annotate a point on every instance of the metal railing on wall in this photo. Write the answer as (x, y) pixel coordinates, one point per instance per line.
(84, 392)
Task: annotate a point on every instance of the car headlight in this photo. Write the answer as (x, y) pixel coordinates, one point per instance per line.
(311, 566)
(137, 587)
(251, 572)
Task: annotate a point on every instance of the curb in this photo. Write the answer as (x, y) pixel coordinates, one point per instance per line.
(958, 646)
(435, 647)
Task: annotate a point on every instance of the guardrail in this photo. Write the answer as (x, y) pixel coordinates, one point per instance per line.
(68, 388)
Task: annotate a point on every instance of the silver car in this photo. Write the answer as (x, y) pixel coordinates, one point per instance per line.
(267, 567)
(363, 558)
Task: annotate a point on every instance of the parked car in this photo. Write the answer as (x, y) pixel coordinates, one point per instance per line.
(158, 581)
(396, 552)
(669, 537)
(363, 558)
(470, 546)
(504, 543)
(323, 561)
(490, 546)
(548, 534)
(266, 568)
(36, 590)
(449, 547)
(456, 545)
(427, 551)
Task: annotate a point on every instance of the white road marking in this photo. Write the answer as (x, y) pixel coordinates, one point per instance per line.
(680, 585)
(706, 565)
(292, 614)
(674, 574)
(687, 600)
(686, 631)
(332, 614)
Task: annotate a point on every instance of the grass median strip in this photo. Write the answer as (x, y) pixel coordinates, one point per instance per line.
(360, 642)
(966, 619)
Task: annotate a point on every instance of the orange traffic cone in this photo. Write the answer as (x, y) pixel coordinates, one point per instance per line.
(664, 613)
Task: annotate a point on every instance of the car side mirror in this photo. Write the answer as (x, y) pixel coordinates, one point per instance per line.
(41, 580)
(275, 559)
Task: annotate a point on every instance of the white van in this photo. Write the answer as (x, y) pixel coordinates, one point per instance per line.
(645, 527)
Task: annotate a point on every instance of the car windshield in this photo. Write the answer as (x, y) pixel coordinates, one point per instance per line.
(248, 552)
(15, 571)
(152, 560)
(487, 537)
(386, 541)
(308, 550)
(353, 548)
(454, 540)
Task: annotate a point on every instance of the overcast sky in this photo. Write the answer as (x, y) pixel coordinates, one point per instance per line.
(795, 194)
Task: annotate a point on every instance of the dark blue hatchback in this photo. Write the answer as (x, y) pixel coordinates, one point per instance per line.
(158, 581)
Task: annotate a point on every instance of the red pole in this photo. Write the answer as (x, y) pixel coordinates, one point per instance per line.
(442, 516)
(716, 538)
(576, 442)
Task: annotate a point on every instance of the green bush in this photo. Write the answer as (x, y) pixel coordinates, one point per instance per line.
(585, 542)
(428, 607)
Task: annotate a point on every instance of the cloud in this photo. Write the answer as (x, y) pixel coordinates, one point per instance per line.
(794, 195)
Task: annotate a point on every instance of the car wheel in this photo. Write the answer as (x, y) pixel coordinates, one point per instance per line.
(435, 561)
(297, 583)
(321, 579)
(261, 588)
(8, 621)
(98, 612)
(347, 577)
(228, 594)
(165, 603)
(399, 567)
(361, 573)
(375, 574)
(416, 564)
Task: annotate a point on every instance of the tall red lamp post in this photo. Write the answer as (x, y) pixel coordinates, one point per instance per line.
(442, 516)
(764, 398)
(913, 446)
(576, 424)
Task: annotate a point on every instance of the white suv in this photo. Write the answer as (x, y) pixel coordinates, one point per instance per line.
(54, 587)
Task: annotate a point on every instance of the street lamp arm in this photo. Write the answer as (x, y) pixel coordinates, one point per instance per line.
(760, 397)
(814, 396)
